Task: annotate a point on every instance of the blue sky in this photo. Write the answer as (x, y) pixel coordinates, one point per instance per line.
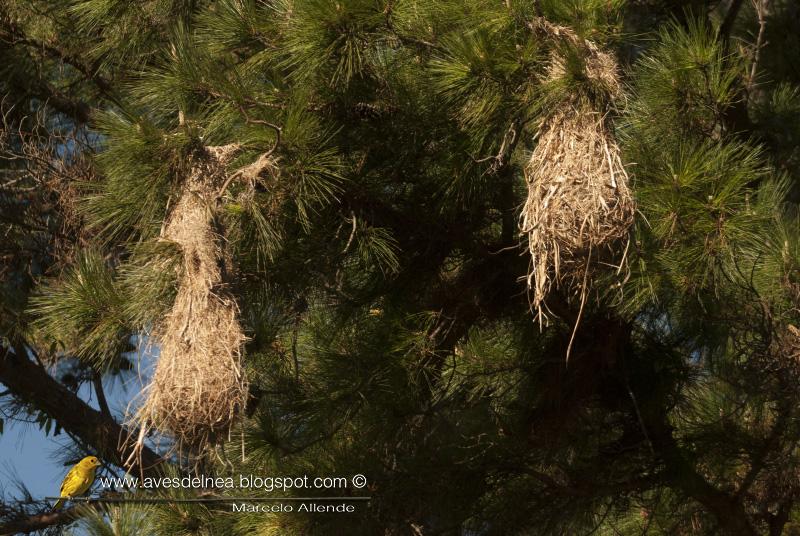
(28, 455)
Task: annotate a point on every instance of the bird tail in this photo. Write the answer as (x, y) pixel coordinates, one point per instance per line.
(58, 504)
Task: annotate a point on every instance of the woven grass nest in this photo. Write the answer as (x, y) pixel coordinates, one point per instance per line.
(198, 386)
(579, 206)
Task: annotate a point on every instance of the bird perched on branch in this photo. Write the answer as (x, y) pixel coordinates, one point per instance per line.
(78, 480)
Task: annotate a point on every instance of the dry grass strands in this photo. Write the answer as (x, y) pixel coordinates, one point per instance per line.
(198, 385)
(579, 204)
(789, 343)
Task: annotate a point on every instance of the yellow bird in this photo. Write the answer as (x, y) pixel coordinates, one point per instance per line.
(78, 480)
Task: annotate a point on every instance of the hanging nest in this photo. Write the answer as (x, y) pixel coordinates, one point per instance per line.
(199, 386)
(579, 205)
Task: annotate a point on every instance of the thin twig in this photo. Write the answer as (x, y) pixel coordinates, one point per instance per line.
(228, 181)
(352, 233)
(278, 130)
(584, 292)
(761, 8)
(295, 359)
(249, 120)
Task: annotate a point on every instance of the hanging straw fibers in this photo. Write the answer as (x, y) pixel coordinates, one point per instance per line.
(578, 202)
(198, 385)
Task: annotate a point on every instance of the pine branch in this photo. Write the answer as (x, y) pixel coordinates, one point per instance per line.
(97, 382)
(33, 385)
(729, 512)
(778, 520)
(41, 89)
(759, 458)
(12, 34)
(43, 521)
(730, 18)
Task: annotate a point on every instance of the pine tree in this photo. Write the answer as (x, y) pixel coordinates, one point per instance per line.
(343, 181)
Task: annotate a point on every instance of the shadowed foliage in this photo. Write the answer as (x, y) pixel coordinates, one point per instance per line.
(356, 272)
